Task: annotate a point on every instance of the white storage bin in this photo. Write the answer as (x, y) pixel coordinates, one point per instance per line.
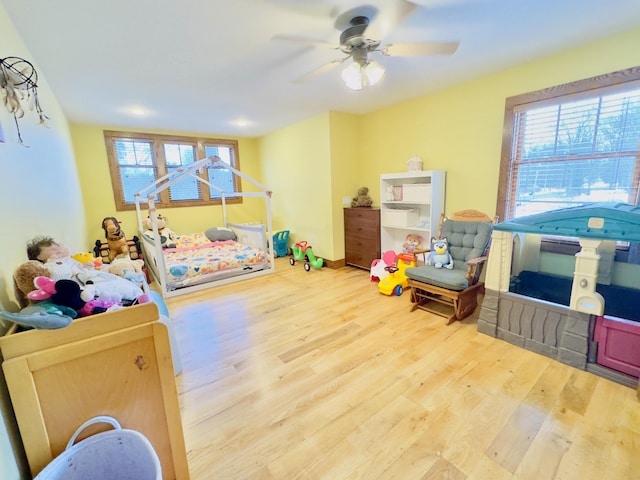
(416, 192)
(399, 217)
(118, 454)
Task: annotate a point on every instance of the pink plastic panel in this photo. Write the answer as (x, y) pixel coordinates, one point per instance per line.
(618, 344)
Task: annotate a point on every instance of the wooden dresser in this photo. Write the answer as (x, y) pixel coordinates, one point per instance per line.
(361, 236)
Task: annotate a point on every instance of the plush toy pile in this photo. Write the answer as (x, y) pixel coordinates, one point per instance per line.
(52, 288)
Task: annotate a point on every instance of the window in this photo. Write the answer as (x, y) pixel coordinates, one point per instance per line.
(136, 160)
(571, 145)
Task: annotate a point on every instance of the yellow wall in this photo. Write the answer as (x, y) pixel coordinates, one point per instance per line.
(296, 165)
(39, 195)
(460, 129)
(93, 170)
(345, 177)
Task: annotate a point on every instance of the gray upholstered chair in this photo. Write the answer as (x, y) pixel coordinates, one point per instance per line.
(453, 293)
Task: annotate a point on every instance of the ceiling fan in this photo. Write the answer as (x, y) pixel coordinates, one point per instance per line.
(362, 29)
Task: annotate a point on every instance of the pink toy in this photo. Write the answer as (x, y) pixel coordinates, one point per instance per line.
(378, 266)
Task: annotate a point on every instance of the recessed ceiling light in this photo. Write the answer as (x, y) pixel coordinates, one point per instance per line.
(241, 122)
(138, 112)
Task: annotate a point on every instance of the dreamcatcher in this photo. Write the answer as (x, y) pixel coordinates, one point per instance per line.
(19, 87)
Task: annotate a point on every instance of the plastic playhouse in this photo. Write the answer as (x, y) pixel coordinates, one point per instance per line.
(303, 252)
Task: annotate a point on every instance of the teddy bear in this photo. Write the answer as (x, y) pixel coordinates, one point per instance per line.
(412, 243)
(116, 239)
(128, 269)
(363, 199)
(167, 236)
(439, 255)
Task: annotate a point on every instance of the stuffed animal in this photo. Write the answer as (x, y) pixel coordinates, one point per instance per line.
(110, 287)
(67, 294)
(55, 257)
(35, 313)
(116, 240)
(42, 315)
(87, 260)
(391, 196)
(23, 279)
(412, 243)
(363, 199)
(167, 236)
(128, 269)
(439, 255)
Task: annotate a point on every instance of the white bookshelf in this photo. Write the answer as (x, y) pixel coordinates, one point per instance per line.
(415, 207)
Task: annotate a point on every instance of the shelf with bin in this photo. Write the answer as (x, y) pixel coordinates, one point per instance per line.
(410, 202)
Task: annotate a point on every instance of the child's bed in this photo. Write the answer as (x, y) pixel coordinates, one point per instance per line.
(197, 260)
(214, 256)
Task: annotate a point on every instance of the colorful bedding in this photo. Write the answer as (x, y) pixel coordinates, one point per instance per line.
(196, 257)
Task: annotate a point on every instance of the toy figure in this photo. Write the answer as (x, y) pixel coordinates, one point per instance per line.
(412, 243)
(167, 236)
(116, 239)
(439, 256)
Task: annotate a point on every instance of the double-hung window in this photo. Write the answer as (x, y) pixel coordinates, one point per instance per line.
(572, 145)
(136, 160)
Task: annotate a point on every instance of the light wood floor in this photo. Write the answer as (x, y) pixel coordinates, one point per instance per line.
(315, 375)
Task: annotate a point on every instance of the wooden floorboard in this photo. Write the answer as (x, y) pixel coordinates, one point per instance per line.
(316, 375)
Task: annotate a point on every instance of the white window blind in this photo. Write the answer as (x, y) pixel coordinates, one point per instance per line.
(577, 151)
(137, 159)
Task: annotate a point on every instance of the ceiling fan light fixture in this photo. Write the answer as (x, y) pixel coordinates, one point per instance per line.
(374, 72)
(352, 76)
(357, 75)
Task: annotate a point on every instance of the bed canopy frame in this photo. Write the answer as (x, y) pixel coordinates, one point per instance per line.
(192, 171)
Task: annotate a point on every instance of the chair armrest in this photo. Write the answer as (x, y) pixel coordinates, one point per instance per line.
(476, 261)
(474, 267)
(420, 251)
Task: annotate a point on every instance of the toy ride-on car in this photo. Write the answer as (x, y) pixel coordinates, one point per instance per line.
(397, 280)
(303, 252)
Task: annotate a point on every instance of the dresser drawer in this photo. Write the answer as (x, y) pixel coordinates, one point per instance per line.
(361, 236)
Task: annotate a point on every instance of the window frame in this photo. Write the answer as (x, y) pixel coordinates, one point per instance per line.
(588, 87)
(160, 168)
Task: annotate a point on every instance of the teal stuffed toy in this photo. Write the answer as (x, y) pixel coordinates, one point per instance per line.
(439, 255)
(45, 315)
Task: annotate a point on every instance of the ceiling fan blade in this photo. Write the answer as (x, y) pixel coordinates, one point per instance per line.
(324, 68)
(420, 49)
(305, 40)
(312, 8)
(389, 18)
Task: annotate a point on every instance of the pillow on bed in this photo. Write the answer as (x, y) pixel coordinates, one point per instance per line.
(191, 240)
(220, 234)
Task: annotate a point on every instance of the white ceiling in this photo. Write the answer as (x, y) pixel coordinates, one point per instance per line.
(203, 65)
